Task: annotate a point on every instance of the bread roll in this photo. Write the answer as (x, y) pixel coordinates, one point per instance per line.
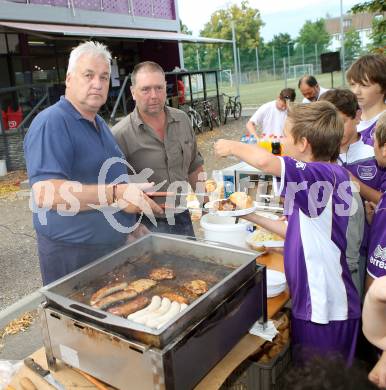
(241, 200)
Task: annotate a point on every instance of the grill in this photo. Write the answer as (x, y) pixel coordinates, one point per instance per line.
(128, 355)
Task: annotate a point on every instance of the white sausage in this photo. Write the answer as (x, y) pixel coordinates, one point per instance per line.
(173, 311)
(169, 315)
(165, 306)
(154, 305)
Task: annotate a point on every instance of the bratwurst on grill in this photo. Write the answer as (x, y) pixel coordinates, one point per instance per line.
(129, 307)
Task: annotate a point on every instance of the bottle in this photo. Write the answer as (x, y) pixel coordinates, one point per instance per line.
(252, 139)
(275, 146)
(281, 146)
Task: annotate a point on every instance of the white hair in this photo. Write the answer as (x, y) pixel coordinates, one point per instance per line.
(95, 49)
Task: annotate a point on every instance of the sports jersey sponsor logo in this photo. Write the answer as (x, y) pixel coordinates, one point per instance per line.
(379, 257)
(366, 172)
(301, 165)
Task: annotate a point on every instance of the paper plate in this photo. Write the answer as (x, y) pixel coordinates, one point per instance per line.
(276, 283)
(257, 245)
(233, 213)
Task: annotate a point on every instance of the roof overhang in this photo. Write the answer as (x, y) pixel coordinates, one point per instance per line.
(107, 32)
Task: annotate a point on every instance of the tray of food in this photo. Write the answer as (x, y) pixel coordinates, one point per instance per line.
(262, 238)
(238, 204)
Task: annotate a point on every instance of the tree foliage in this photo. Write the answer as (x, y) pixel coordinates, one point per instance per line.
(352, 44)
(314, 33)
(379, 24)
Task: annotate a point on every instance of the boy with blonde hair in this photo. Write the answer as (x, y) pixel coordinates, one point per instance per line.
(319, 204)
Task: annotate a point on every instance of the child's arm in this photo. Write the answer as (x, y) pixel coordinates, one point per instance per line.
(374, 313)
(277, 227)
(378, 373)
(251, 154)
(367, 192)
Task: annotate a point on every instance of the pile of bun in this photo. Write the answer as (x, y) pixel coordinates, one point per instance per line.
(271, 349)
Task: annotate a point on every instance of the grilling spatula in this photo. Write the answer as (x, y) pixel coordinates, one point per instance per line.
(45, 374)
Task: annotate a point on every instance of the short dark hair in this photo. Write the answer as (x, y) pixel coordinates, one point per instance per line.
(372, 68)
(344, 100)
(320, 124)
(149, 65)
(309, 80)
(288, 93)
(380, 130)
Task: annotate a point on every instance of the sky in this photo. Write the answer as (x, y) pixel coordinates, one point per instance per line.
(279, 16)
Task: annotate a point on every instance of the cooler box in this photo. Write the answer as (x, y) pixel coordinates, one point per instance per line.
(14, 118)
(4, 118)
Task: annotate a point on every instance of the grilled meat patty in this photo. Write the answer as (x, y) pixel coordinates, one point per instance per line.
(142, 285)
(162, 273)
(197, 287)
(174, 297)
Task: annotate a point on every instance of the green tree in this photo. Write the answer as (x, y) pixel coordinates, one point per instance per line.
(314, 33)
(352, 44)
(189, 49)
(379, 23)
(247, 27)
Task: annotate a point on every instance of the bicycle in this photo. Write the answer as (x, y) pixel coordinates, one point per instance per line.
(196, 120)
(232, 107)
(210, 115)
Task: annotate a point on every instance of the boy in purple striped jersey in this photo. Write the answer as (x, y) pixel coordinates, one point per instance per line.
(319, 205)
(376, 261)
(376, 213)
(367, 79)
(359, 159)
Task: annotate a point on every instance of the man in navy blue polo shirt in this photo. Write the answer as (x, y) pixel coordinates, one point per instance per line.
(75, 169)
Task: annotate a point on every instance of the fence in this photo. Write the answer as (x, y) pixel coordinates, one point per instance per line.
(263, 72)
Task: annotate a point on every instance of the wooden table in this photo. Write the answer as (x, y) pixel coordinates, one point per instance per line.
(246, 347)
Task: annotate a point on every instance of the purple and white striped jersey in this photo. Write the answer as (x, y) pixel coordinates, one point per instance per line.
(319, 205)
(376, 262)
(366, 129)
(360, 161)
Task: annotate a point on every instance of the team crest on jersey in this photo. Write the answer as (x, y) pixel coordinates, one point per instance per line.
(380, 253)
(301, 165)
(366, 172)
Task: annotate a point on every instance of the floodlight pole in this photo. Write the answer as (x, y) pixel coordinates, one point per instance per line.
(235, 60)
(342, 59)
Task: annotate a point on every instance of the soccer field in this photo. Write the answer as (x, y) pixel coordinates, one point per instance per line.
(256, 94)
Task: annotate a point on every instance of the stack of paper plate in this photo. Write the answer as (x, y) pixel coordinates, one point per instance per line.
(276, 283)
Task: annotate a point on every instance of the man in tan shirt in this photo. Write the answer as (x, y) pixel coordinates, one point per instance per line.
(160, 138)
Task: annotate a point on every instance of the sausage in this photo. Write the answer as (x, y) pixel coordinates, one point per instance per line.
(107, 290)
(154, 305)
(129, 307)
(165, 306)
(174, 310)
(112, 299)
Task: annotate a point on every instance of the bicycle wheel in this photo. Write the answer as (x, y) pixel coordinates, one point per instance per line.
(208, 120)
(199, 123)
(237, 111)
(215, 119)
(226, 113)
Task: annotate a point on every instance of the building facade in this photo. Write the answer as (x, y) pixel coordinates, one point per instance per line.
(362, 23)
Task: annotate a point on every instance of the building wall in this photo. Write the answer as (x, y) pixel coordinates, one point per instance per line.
(146, 14)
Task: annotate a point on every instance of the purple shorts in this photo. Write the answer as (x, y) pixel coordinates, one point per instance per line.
(337, 338)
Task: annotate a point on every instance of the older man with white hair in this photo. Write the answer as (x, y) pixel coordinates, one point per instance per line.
(66, 150)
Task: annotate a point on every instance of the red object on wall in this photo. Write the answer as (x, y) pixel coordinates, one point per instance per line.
(181, 92)
(4, 118)
(14, 118)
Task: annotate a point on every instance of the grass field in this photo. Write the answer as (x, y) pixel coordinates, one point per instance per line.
(258, 93)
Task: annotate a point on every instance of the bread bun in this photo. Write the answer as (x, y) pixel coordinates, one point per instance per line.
(210, 185)
(241, 200)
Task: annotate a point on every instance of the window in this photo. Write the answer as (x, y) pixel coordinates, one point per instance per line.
(347, 23)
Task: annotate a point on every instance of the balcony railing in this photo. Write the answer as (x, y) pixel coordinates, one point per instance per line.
(160, 9)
